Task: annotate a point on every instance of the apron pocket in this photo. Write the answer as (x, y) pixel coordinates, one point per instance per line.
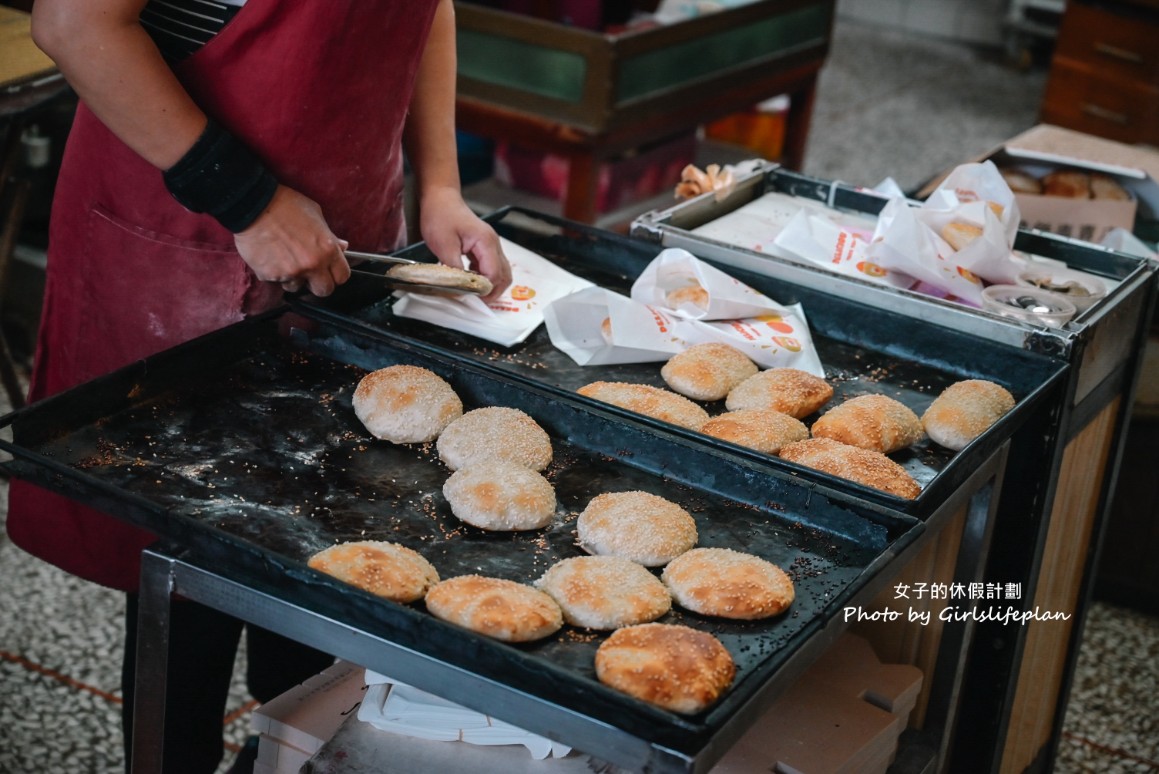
(138, 291)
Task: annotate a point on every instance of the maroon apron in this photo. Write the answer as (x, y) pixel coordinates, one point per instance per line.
(319, 88)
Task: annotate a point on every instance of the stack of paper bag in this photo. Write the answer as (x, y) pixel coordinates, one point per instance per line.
(402, 709)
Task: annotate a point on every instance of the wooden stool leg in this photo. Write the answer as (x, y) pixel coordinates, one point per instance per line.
(579, 202)
(797, 124)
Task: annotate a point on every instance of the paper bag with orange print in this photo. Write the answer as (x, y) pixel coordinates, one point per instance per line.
(771, 341)
(679, 281)
(975, 215)
(713, 306)
(596, 326)
(509, 319)
(906, 245)
(816, 239)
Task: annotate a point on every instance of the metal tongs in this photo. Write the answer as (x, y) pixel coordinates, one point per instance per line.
(393, 260)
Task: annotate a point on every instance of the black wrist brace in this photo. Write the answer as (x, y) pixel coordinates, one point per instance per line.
(220, 176)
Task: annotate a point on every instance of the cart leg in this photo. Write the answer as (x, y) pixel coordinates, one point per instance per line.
(941, 711)
(152, 663)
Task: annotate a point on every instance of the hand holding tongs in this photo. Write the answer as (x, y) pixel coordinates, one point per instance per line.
(392, 260)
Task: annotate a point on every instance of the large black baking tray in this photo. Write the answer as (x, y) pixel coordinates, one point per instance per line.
(243, 447)
(864, 350)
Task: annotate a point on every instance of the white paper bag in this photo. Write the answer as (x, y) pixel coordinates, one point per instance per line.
(906, 245)
(679, 281)
(1124, 241)
(971, 194)
(772, 335)
(599, 327)
(509, 319)
(981, 184)
(842, 249)
(755, 226)
(596, 326)
(770, 341)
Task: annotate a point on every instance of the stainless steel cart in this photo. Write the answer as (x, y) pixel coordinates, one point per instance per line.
(1065, 466)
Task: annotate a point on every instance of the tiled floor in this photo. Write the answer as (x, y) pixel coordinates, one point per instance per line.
(890, 104)
(1112, 720)
(61, 641)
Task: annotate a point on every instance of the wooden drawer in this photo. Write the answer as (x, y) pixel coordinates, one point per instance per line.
(1119, 44)
(1083, 99)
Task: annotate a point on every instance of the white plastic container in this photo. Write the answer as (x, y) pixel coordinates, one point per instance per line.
(1029, 304)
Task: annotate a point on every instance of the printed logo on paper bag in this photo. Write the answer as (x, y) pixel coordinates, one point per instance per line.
(843, 251)
(788, 342)
(871, 269)
(966, 195)
(663, 323)
(747, 331)
(776, 322)
(522, 293)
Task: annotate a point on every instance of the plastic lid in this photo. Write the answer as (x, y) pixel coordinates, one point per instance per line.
(1081, 289)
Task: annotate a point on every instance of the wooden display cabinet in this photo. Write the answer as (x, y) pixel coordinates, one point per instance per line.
(1104, 78)
(590, 96)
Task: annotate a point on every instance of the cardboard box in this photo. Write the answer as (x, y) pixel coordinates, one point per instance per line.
(278, 758)
(621, 181)
(843, 716)
(1044, 148)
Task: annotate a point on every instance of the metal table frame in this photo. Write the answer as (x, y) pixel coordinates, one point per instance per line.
(167, 572)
